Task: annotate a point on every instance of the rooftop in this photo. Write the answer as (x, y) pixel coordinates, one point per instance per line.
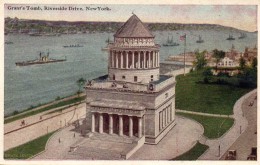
(104, 83)
(133, 28)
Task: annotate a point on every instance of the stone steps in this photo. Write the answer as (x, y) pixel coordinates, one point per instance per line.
(113, 138)
(95, 153)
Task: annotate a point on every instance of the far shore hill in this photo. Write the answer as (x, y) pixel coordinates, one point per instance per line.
(16, 25)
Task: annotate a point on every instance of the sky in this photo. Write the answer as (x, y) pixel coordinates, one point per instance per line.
(243, 17)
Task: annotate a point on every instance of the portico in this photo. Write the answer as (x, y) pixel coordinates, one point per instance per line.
(123, 121)
(117, 124)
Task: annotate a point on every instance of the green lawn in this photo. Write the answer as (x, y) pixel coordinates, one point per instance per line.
(30, 113)
(29, 149)
(214, 127)
(194, 153)
(207, 98)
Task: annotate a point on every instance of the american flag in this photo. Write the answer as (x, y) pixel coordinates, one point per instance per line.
(183, 38)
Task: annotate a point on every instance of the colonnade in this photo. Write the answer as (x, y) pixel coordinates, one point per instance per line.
(134, 59)
(111, 127)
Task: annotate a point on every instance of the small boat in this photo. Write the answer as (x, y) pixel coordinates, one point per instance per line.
(35, 34)
(242, 36)
(73, 46)
(230, 37)
(200, 40)
(52, 34)
(8, 42)
(170, 42)
(43, 59)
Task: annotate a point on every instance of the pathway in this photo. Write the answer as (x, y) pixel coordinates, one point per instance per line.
(178, 141)
(248, 139)
(204, 114)
(36, 127)
(217, 147)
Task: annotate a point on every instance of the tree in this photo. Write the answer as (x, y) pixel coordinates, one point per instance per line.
(200, 62)
(80, 83)
(218, 55)
(242, 63)
(254, 63)
(207, 74)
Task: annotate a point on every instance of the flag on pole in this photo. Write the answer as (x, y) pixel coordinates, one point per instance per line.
(183, 38)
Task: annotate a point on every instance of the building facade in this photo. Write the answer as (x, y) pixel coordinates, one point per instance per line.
(133, 100)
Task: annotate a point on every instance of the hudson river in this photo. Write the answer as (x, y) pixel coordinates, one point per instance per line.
(31, 85)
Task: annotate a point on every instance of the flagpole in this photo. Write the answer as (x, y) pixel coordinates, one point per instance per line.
(184, 54)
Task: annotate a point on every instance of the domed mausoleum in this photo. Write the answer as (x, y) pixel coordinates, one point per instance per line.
(133, 101)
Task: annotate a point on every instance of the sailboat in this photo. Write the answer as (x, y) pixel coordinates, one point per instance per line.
(242, 36)
(108, 41)
(230, 37)
(170, 42)
(200, 40)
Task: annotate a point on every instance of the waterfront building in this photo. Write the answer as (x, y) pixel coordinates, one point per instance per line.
(227, 62)
(133, 100)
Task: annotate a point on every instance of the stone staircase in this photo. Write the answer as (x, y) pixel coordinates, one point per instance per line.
(92, 153)
(114, 138)
(104, 147)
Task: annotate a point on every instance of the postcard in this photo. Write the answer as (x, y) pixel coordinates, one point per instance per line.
(88, 81)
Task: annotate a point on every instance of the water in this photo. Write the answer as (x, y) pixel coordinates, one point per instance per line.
(31, 85)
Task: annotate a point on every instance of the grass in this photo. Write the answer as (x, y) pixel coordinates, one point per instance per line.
(214, 127)
(30, 113)
(28, 149)
(207, 98)
(194, 153)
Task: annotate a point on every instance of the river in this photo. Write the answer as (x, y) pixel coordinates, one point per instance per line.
(31, 85)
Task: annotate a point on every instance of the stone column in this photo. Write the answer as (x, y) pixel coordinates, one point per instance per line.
(162, 119)
(116, 60)
(93, 123)
(140, 127)
(163, 122)
(100, 123)
(130, 126)
(120, 125)
(112, 57)
(127, 66)
(166, 116)
(121, 65)
(158, 59)
(144, 59)
(149, 59)
(139, 60)
(153, 59)
(169, 111)
(110, 124)
(133, 60)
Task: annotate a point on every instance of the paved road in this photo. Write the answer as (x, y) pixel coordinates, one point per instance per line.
(223, 143)
(248, 139)
(54, 121)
